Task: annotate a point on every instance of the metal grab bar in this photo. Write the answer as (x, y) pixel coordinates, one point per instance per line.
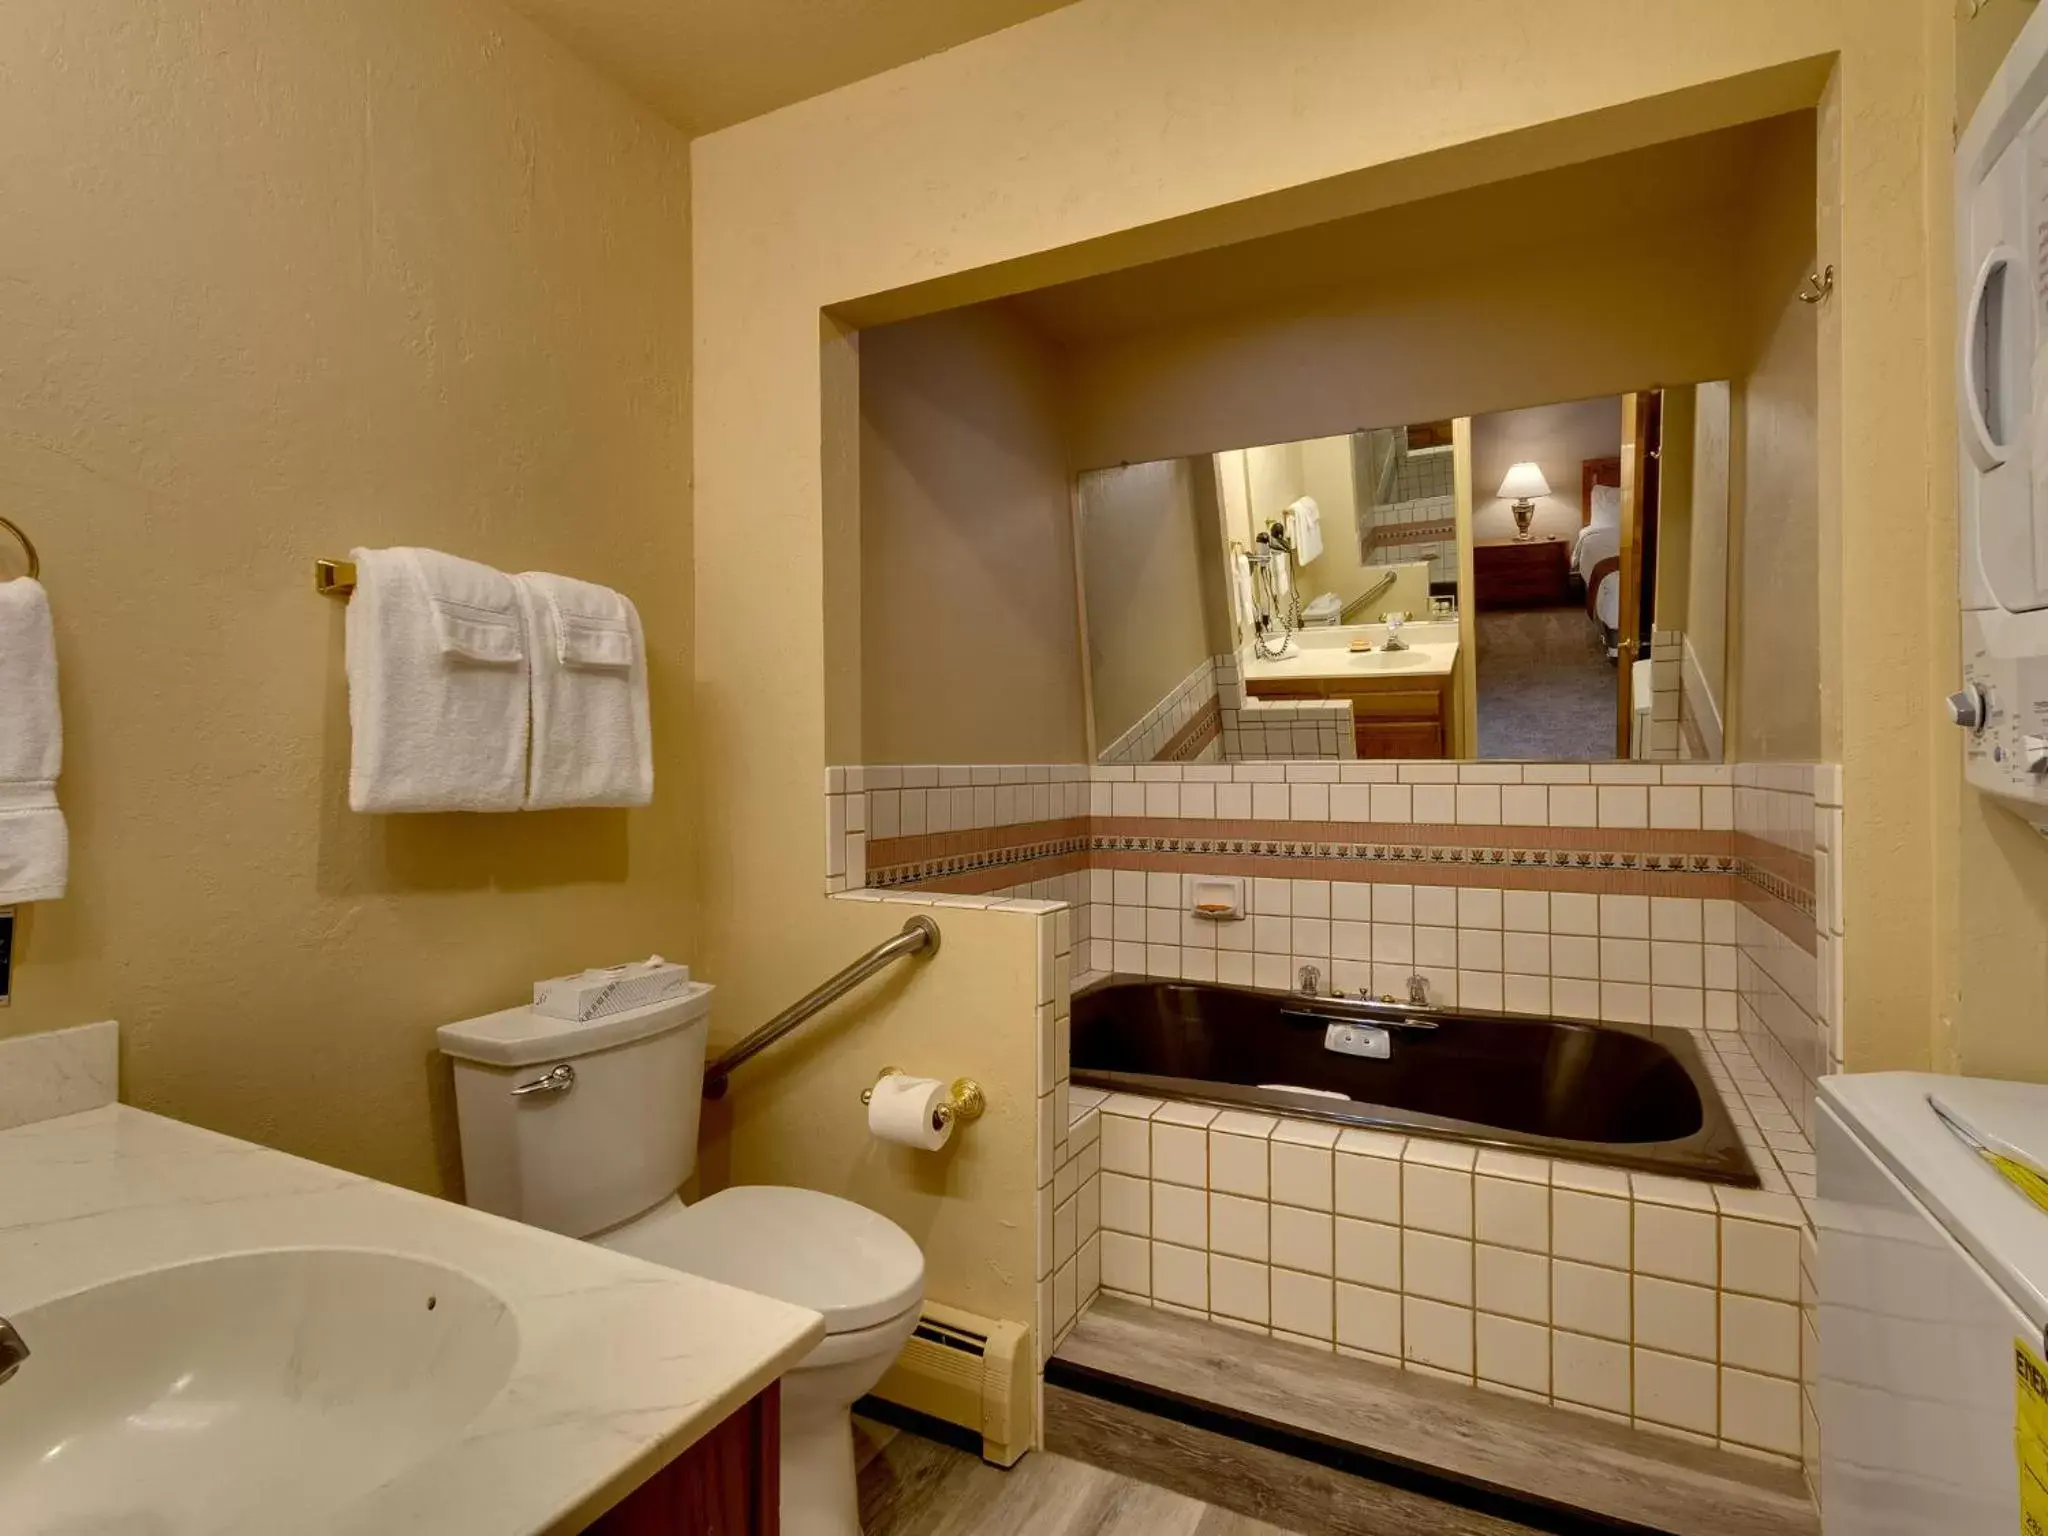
(920, 935)
(1367, 596)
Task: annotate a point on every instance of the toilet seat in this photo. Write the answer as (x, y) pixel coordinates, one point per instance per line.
(859, 1270)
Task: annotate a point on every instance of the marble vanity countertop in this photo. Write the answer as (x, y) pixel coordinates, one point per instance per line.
(620, 1364)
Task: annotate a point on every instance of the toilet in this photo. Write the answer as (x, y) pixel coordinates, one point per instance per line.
(589, 1128)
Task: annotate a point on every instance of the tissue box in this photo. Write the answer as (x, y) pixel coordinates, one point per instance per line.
(597, 994)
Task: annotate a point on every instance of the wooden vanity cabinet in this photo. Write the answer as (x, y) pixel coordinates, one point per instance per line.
(1396, 716)
(727, 1484)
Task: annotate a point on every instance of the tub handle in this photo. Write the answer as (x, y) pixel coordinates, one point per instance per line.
(1385, 1020)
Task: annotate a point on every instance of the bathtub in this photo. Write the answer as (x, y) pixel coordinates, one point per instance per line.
(1628, 1096)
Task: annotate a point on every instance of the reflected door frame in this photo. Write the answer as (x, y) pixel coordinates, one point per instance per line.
(1635, 472)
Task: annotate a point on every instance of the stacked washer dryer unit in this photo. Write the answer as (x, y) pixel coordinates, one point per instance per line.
(2002, 277)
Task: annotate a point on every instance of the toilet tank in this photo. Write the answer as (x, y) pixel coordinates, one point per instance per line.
(607, 1125)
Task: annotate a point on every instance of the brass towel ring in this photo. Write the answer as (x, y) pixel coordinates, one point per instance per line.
(28, 546)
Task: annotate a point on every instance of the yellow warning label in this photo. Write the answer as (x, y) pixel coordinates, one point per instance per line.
(2030, 1437)
(2022, 1178)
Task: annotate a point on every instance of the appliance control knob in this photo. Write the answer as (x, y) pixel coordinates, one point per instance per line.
(2034, 753)
(1968, 707)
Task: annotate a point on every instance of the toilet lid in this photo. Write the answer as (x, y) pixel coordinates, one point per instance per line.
(799, 1246)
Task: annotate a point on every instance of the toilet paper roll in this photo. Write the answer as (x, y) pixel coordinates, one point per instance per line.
(904, 1110)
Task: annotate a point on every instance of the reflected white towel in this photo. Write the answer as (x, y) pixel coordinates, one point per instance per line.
(436, 685)
(1241, 592)
(1305, 518)
(591, 742)
(35, 849)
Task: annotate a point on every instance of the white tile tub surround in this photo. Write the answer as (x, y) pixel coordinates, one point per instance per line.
(58, 1072)
(1788, 997)
(1148, 737)
(1667, 1303)
(1679, 797)
(1625, 959)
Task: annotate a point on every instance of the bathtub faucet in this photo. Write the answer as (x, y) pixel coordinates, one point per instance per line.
(1418, 991)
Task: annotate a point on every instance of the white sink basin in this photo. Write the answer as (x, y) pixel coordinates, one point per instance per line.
(251, 1392)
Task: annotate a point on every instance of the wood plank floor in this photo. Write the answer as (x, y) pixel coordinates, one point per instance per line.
(1355, 1410)
(1257, 1482)
(911, 1486)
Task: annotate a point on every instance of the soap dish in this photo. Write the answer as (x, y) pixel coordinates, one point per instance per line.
(1218, 900)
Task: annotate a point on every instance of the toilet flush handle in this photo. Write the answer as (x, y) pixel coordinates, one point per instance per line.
(556, 1080)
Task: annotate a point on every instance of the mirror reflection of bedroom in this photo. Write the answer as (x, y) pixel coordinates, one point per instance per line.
(1473, 477)
(1599, 531)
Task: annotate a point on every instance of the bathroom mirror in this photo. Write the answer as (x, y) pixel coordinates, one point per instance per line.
(1547, 584)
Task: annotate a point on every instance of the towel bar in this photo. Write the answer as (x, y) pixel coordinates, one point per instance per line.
(331, 578)
(28, 546)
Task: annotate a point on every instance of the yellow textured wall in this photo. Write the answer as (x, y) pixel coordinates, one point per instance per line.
(1147, 548)
(1706, 601)
(1560, 319)
(1777, 684)
(278, 280)
(970, 641)
(1326, 474)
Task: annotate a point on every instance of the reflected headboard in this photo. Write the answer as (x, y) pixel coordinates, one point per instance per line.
(1594, 472)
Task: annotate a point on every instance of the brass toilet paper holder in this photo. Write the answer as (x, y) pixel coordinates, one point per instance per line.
(965, 1103)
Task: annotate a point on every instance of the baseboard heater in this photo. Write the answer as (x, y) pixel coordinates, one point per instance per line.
(971, 1371)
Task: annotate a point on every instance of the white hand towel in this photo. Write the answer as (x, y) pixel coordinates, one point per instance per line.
(436, 685)
(1306, 519)
(1241, 590)
(591, 742)
(35, 850)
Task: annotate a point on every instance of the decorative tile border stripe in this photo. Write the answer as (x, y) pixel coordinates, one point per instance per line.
(1198, 733)
(1009, 862)
(1601, 880)
(1327, 850)
(1438, 532)
(1444, 841)
(1785, 874)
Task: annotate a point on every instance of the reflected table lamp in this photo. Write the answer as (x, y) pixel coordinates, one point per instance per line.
(1524, 483)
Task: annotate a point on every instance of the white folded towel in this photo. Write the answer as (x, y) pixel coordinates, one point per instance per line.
(437, 692)
(35, 850)
(1305, 519)
(1241, 591)
(591, 742)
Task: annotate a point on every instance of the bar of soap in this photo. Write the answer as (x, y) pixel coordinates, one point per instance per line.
(1361, 644)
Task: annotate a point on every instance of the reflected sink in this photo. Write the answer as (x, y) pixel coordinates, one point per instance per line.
(248, 1392)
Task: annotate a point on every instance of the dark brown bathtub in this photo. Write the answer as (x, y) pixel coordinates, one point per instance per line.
(1631, 1096)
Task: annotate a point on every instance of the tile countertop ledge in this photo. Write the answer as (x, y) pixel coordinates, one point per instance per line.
(621, 1364)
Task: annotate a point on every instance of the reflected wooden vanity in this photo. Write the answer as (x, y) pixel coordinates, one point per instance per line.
(1404, 715)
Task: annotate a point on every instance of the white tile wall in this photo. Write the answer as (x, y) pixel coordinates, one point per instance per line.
(1630, 959)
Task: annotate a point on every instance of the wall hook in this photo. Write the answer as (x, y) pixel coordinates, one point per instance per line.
(1818, 285)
